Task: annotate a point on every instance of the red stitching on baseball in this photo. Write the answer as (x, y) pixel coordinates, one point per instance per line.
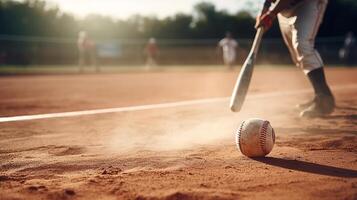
(263, 136)
(239, 132)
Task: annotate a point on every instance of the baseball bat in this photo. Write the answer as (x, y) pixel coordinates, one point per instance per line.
(241, 87)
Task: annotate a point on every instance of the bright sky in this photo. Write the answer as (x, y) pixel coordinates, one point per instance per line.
(160, 8)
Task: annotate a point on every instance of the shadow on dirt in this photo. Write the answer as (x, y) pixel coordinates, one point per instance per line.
(348, 117)
(309, 167)
(346, 108)
(317, 131)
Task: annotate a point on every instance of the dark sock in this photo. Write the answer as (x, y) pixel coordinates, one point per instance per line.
(318, 82)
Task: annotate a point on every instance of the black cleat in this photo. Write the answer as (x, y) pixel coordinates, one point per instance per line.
(322, 106)
(324, 102)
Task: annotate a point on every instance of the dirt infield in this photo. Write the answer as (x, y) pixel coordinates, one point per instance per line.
(178, 151)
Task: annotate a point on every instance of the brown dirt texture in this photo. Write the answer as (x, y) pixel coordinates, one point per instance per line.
(179, 151)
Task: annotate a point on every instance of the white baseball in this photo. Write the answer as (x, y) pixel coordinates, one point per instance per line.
(255, 137)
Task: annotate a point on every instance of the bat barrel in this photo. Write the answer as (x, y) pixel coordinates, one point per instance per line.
(241, 87)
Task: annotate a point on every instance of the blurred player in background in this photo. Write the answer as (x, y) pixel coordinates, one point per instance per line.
(299, 22)
(86, 49)
(228, 46)
(151, 50)
(347, 52)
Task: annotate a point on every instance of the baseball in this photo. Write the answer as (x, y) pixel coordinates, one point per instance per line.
(255, 137)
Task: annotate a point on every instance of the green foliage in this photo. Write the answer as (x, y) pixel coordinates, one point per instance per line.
(36, 18)
(33, 18)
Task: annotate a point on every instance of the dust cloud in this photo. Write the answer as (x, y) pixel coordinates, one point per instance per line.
(170, 136)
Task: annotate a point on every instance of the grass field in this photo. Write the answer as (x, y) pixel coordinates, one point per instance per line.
(168, 134)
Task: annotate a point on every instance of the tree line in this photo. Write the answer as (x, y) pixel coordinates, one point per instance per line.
(36, 18)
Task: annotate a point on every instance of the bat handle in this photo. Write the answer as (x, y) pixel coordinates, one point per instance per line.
(257, 40)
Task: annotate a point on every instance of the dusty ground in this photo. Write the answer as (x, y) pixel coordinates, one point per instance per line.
(182, 152)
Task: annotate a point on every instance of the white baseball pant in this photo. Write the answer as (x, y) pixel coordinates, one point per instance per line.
(299, 26)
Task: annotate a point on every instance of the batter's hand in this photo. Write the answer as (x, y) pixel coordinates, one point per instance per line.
(265, 20)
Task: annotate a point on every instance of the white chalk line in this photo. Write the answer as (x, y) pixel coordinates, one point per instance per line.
(161, 105)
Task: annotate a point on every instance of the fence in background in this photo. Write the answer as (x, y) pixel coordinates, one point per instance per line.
(16, 50)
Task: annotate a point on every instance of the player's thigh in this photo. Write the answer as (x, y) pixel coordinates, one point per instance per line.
(309, 17)
(287, 29)
(308, 20)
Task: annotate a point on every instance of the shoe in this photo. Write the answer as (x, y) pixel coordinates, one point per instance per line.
(323, 105)
(305, 105)
(324, 102)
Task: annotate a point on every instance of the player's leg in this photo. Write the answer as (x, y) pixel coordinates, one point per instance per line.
(287, 28)
(81, 59)
(148, 61)
(226, 59)
(231, 59)
(308, 19)
(154, 60)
